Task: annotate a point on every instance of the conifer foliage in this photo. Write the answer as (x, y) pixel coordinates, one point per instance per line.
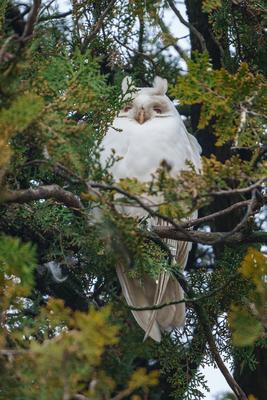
(66, 332)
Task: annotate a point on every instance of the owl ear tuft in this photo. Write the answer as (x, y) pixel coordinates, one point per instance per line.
(160, 85)
(127, 83)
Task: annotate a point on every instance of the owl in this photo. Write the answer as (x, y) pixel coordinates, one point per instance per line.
(147, 131)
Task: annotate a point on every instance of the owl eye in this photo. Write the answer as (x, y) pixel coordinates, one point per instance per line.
(157, 110)
(127, 108)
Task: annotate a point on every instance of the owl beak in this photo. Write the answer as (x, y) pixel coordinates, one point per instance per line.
(141, 116)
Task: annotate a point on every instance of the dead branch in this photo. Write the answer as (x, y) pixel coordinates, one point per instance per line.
(172, 231)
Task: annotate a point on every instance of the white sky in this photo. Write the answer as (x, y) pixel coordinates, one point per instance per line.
(215, 379)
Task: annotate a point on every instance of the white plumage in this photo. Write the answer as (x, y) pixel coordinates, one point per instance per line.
(148, 130)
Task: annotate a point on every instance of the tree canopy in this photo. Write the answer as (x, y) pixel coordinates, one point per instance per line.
(66, 332)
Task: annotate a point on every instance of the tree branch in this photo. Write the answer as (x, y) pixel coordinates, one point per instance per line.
(55, 16)
(188, 25)
(151, 212)
(217, 214)
(42, 192)
(177, 232)
(243, 222)
(168, 232)
(204, 321)
(30, 24)
(98, 25)
(185, 300)
(247, 189)
(166, 31)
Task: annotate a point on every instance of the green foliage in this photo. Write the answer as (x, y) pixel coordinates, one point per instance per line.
(21, 113)
(247, 318)
(17, 259)
(236, 101)
(3, 7)
(210, 5)
(68, 332)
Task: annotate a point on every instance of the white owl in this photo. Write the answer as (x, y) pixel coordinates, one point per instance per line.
(148, 130)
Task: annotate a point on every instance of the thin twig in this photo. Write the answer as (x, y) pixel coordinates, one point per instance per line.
(203, 319)
(144, 55)
(244, 220)
(166, 31)
(168, 232)
(190, 26)
(98, 25)
(55, 16)
(215, 215)
(185, 300)
(247, 189)
(151, 212)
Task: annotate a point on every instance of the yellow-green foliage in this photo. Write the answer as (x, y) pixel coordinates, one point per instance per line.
(15, 119)
(74, 352)
(63, 349)
(3, 6)
(210, 5)
(247, 320)
(236, 101)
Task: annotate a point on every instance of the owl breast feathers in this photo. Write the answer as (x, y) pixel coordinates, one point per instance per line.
(147, 131)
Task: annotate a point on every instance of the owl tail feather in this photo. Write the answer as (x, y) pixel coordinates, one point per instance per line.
(149, 292)
(135, 296)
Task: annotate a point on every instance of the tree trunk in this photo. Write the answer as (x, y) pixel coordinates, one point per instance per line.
(252, 382)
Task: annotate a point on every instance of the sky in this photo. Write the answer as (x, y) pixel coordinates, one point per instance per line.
(215, 379)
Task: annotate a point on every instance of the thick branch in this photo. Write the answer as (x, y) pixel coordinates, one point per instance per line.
(167, 232)
(42, 192)
(29, 27)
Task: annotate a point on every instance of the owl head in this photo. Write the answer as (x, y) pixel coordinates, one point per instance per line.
(146, 103)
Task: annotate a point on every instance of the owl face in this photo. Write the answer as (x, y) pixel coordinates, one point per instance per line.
(147, 103)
